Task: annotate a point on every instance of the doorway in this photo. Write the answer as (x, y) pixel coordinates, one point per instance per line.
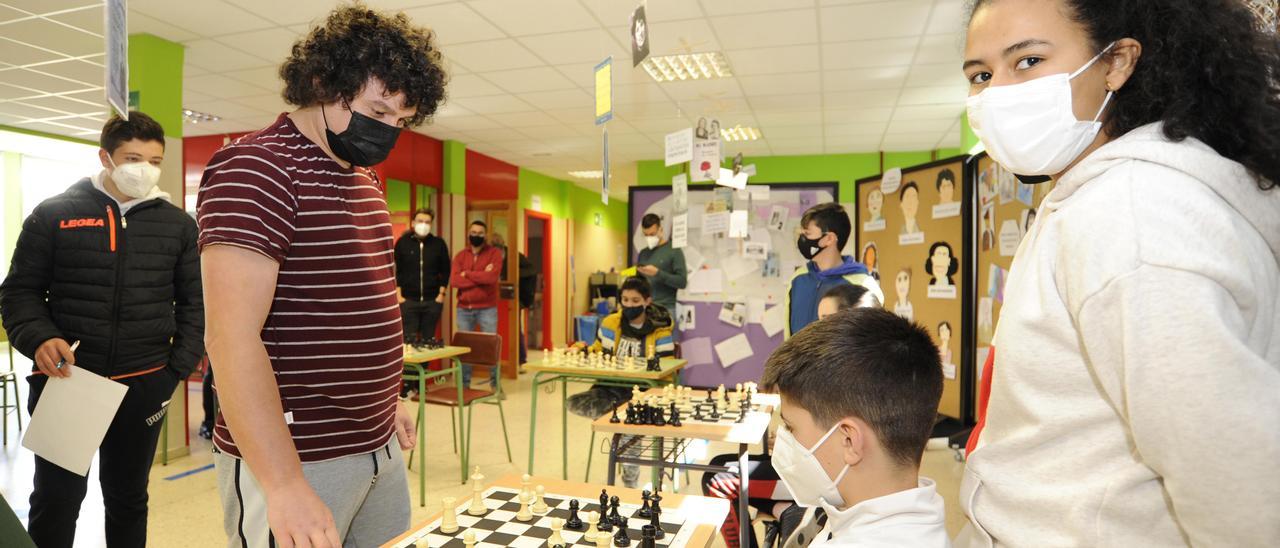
(537, 232)
(501, 220)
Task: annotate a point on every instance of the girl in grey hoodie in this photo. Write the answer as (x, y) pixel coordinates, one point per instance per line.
(1135, 391)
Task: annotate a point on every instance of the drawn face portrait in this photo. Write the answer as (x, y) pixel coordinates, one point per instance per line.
(946, 191)
(903, 284)
(910, 204)
(944, 335)
(941, 259)
(941, 264)
(638, 33)
(869, 257)
(875, 204)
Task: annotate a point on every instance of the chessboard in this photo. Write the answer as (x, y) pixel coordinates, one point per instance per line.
(499, 526)
(679, 405)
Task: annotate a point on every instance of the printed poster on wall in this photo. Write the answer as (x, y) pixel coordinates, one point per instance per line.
(706, 161)
(680, 231)
(680, 193)
(604, 91)
(679, 147)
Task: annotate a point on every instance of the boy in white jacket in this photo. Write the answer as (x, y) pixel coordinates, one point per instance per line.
(1135, 392)
(860, 391)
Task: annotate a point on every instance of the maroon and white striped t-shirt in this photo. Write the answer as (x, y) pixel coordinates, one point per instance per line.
(333, 333)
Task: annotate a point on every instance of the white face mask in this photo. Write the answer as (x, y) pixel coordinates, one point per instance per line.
(1030, 128)
(651, 241)
(421, 229)
(801, 472)
(134, 179)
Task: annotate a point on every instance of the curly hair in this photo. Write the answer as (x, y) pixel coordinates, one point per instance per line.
(336, 59)
(1207, 71)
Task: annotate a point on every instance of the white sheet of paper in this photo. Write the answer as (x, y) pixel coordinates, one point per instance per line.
(755, 310)
(727, 178)
(749, 169)
(759, 193)
(715, 223)
(706, 281)
(734, 349)
(696, 351)
(943, 211)
(775, 320)
(72, 417)
(693, 259)
(679, 146)
(738, 268)
(738, 224)
(778, 217)
(686, 317)
(705, 165)
(891, 180)
(758, 251)
(680, 231)
(734, 313)
(680, 192)
(1010, 236)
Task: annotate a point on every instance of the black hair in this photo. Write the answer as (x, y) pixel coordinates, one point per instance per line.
(945, 174)
(479, 224)
(336, 59)
(866, 363)
(118, 131)
(424, 211)
(1207, 71)
(951, 268)
(903, 193)
(649, 220)
(850, 296)
(637, 284)
(830, 217)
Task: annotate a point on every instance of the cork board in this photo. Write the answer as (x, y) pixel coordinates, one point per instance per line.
(913, 231)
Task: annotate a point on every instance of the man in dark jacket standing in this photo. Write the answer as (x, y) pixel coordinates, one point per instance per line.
(112, 264)
(422, 275)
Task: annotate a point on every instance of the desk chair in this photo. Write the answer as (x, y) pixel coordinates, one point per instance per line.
(9, 378)
(486, 351)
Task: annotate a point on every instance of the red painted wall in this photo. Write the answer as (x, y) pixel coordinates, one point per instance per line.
(491, 179)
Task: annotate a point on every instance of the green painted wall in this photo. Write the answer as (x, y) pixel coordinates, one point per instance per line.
(967, 137)
(455, 167)
(155, 72)
(553, 193)
(584, 204)
(398, 195)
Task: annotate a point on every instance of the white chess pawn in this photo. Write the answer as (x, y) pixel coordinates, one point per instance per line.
(526, 485)
(590, 535)
(604, 540)
(539, 503)
(556, 540)
(423, 542)
(737, 389)
(469, 539)
(524, 514)
(449, 525)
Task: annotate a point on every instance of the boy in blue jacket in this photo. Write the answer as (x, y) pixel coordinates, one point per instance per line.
(826, 228)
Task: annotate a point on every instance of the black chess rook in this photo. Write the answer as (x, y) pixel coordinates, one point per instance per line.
(647, 537)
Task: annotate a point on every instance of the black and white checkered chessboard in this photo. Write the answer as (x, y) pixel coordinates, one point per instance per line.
(727, 416)
(499, 526)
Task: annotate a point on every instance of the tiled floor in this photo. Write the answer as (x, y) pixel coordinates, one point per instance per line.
(186, 511)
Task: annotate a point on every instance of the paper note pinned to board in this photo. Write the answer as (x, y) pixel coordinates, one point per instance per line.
(734, 349)
(72, 417)
(696, 351)
(755, 309)
(710, 280)
(738, 226)
(775, 320)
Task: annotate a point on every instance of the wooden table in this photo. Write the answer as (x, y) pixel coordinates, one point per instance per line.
(544, 373)
(707, 514)
(415, 361)
(753, 428)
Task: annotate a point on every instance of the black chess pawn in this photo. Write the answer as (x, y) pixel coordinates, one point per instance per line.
(631, 414)
(574, 523)
(614, 419)
(621, 539)
(648, 534)
(741, 416)
(658, 419)
(655, 522)
(710, 398)
(645, 512)
(614, 516)
(675, 418)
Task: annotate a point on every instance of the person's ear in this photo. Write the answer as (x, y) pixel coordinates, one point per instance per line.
(105, 158)
(1121, 62)
(853, 441)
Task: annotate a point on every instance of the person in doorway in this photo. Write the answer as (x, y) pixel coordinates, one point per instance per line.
(526, 287)
(112, 264)
(303, 325)
(825, 231)
(662, 265)
(1139, 316)
(476, 272)
(422, 277)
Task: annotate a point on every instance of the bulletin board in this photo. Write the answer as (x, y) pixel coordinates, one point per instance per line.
(1006, 209)
(914, 232)
(757, 281)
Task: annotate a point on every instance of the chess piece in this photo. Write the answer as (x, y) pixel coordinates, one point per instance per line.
(603, 525)
(590, 535)
(604, 540)
(524, 514)
(423, 542)
(644, 509)
(556, 539)
(621, 539)
(539, 503)
(449, 524)
(655, 521)
(477, 496)
(614, 516)
(614, 419)
(658, 419)
(574, 523)
(647, 537)
(469, 539)
(526, 484)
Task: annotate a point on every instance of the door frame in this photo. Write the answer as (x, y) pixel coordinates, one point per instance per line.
(547, 292)
(508, 208)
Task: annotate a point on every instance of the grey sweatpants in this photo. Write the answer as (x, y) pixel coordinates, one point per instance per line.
(368, 495)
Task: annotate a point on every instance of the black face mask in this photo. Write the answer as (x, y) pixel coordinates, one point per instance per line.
(365, 142)
(809, 248)
(476, 241)
(632, 312)
(1033, 179)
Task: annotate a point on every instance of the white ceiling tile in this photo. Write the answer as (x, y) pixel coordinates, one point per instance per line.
(780, 84)
(273, 44)
(80, 71)
(492, 55)
(910, 141)
(208, 18)
(140, 23)
(775, 118)
(864, 79)
(936, 74)
(287, 12)
(583, 74)
(791, 132)
(660, 126)
(750, 62)
(529, 80)
(36, 79)
(937, 126)
(889, 52)
(470, 123)
(9, 14)
(796, 146)
(857, 115)
(217, 57)
(90, 19)
(951, 139)
(869, 21)
(265, 77)
(46, 34)
(16, 53)
(541, 132)
(845, 145)
(730, 7)
(229, 109)
(860, 99)
(271, 103)
(637, 94)
(656, 111)
(717, 107)
(541, 17)
(944, 95)
(454, 23)
(941, 48)
(859, 129)
(192, 96)
(803, 101)
(583, 46)
(705, 89)
(781, 28)
(674, 37)
(575, 116)
(470, 85)
(929, 112)
(398, 5)
(615, 13)
(948, 17)
(223, 87)
(549, 100)
(529, 119)
(497, 135)
(494, 104)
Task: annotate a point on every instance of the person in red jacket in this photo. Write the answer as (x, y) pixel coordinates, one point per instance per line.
(475, 275)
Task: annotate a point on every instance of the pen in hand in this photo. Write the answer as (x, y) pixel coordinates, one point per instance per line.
(63, 361)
